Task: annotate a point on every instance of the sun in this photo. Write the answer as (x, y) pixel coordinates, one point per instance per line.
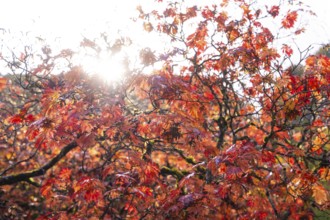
(109, 68)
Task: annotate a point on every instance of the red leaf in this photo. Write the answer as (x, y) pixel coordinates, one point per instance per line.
(30, 118)
(299, 31)
(287, 50)
(274, 11)
(291, 161)
(262, 215)
(92, 195)
(289, 19)
(47, 187)
(151, 172)
(209, 95)
(207, 13)
(16, 119)
(65, 174)
(129, 208)
(143, 191)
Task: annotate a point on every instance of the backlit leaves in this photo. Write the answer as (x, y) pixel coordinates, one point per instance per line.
(65, 174)
(287, 50)
(274, 11)
(46, 188)
(223, 129)
(290, 19)
(197, 39)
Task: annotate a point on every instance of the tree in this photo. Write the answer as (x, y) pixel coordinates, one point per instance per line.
(229, 133)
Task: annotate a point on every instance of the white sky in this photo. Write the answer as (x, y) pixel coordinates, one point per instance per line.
(318, 28)
(67, 19)
(67, 22)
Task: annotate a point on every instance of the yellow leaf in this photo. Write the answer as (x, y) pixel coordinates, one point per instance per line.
(324, 173)
(148, 26)
(293, 187)
(289, 106)
(317, 141)
(320, 194)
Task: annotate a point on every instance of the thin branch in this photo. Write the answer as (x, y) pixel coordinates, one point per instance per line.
(15, 178)
(17, 163)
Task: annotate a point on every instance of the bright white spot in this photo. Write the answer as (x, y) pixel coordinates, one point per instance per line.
(108, 68)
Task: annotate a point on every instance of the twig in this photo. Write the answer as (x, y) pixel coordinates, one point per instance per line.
(7, 180)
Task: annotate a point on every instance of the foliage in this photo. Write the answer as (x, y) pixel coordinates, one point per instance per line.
(230, 132)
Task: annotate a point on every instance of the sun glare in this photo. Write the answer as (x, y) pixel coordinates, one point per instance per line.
(108, 68)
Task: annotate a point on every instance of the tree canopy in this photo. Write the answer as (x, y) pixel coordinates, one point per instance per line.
(225, 128)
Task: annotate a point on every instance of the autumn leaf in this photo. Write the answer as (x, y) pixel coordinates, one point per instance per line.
(216, 125)
(86, 140)
(65, 174)
(46, 188)
(290, 19)
(92, 195)
(30, 118)
(274, 11)
(297, 136)
(320, 194)
(300, 31)
(233, 35)
(209, 95)
(16, 119)
(143, 191)
(287, 50)
(147, 26)
(3, 83)
(130, 208)
(147, 57)
(194, 111)
(151, 172)
(311, 61)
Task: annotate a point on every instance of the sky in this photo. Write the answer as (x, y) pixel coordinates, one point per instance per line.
(318, 27)
(66, 23)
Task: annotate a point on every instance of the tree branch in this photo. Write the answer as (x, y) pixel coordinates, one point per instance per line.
(15, 178)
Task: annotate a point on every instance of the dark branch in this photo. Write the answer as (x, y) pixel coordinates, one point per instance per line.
(15, 178)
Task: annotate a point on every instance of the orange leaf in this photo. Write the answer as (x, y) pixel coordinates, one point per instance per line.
(65, 174)
(324, 173)
(209, 95)
(310, 61)
(47, 187)
(3, 82)
(92, 195)
(320, 194)
(289, 19)
(297, 136)
(130, 209)
(148, 26)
